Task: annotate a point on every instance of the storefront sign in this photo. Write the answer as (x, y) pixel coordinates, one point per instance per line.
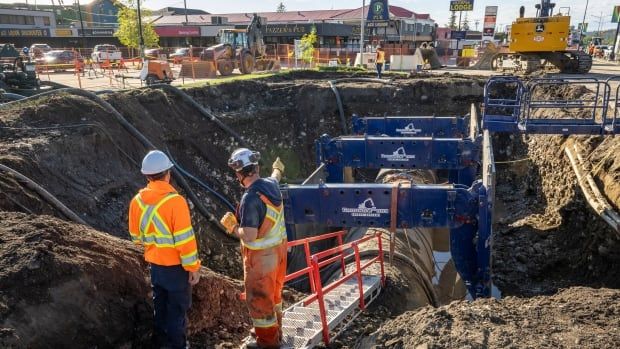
(378, 10)
(24, 32)
(63, 33)
(490, 18)
(177, 31)
(377, 24)
(96, 32)
(462, 5)
(284, 29)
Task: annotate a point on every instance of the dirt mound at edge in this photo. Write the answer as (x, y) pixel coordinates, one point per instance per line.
(574, 318)
(68, 286)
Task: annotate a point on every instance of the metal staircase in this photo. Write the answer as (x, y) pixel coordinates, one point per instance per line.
(301, 325)
(329, 309)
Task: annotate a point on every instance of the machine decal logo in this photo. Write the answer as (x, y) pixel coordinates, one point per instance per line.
(409, 130)
(539, 38)
(366, 209)
(398, 155)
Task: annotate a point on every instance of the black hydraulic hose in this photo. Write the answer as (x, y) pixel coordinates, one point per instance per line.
(11, 96)
(138, 135)
(203, 111)
(46, 195)
(332, 85)
(203, 185)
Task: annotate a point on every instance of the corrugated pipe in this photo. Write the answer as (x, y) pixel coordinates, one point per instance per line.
(46, 195)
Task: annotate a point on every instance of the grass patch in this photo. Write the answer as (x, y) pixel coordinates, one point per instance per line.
(236, 77)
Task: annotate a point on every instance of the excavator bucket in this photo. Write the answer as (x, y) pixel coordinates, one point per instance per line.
(427, 57)
(268, 64)
(485, 59)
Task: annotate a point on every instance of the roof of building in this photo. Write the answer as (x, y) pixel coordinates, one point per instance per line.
(289, 16)
(179, 11)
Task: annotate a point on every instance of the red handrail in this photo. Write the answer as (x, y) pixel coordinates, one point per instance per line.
(306, 242)
(339, 252)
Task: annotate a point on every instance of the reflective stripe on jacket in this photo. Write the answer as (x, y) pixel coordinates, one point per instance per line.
(159, 218)
(272, 231)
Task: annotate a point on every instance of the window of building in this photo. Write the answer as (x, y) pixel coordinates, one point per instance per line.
(17, 20)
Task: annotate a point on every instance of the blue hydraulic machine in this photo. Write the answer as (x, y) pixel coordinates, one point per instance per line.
(466, 205)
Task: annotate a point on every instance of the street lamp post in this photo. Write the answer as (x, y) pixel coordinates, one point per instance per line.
(362, 34)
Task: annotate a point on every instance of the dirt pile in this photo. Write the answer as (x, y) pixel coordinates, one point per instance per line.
(578, 317)
(63, 278)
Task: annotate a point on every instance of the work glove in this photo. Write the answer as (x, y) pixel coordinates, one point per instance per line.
(278, 165)
(229, 221)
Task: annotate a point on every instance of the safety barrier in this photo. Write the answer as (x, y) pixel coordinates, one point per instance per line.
(339, 254)
(306, 243)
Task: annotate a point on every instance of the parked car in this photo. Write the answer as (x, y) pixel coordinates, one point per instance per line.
(156, 53)
(106, 52)
(182, 54)
(37, 51)
(62, 57)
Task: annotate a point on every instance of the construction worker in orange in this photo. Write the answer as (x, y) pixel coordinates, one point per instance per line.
(259, 224)
(379, 61)
(159, 219)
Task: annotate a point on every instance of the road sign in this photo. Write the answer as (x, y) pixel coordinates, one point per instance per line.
(461, 5)
(616, 15)
(458, 35)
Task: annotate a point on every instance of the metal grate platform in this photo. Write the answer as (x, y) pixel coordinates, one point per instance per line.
(301, 326)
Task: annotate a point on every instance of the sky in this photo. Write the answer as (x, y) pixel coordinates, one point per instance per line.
(439, 9)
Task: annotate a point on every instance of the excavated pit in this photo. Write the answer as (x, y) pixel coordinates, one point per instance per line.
(547, 236)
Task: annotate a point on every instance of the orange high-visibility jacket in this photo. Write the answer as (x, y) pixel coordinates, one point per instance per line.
(159, 218)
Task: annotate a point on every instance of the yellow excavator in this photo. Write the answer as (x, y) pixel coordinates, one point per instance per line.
(541, 43)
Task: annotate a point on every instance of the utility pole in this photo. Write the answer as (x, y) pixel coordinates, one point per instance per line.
(185, 6)
(583, 23)
(599, 21)
(81, 24)
(140, 31)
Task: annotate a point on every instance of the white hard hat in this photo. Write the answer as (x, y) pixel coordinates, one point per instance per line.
(155, 162)
(243, 157)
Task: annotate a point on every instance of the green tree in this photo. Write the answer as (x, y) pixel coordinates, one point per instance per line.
(465, 22)
(452, 23)
(308, 41)
(281, 8)
(128, 33)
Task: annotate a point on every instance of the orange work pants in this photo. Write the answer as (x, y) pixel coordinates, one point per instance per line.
(264, 272)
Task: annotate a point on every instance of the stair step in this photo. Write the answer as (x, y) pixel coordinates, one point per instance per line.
(300, 331)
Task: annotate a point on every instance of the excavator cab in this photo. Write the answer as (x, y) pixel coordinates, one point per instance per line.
(234, 38)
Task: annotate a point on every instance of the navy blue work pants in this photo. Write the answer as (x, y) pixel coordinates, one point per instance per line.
(172, 297)
(379, 69)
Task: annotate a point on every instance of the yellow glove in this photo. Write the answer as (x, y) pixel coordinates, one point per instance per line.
(278, 165)
(229, 221)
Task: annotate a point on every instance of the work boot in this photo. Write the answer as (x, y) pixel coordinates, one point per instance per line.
(254, 345)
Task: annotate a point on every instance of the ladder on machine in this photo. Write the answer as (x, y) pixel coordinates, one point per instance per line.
(331, 308)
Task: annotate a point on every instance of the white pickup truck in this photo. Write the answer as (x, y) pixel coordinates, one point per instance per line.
(102, 53)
